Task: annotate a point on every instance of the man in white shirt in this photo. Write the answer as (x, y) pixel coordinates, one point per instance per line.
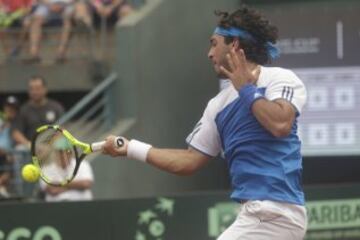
(79, 189)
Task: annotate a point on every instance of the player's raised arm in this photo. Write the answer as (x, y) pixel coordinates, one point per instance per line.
(177, 161)
(276, 106)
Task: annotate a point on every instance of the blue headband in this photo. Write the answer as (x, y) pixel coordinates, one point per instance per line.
(272, 50)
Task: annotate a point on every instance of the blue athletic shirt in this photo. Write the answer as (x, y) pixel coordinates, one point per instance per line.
(262, 166)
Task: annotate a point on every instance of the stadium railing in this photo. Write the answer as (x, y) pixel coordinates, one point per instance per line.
(94, 113)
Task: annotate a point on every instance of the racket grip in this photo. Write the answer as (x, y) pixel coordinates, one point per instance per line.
(98, 146)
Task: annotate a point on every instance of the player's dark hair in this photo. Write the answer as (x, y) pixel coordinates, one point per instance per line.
(39, 78)
(254, 23)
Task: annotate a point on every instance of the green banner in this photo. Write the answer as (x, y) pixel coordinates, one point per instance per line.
(333, 214)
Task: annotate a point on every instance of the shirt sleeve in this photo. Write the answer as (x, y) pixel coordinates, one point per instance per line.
(205, 137)
(289, 87)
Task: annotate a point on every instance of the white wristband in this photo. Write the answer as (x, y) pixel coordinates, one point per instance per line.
(138, 150)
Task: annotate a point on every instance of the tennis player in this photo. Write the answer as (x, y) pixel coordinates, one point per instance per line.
(253, 120)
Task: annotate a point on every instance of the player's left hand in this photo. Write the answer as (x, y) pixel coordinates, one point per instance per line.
(239, 72)
(112, 150)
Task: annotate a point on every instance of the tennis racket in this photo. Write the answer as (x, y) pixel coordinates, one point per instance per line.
(58, 154)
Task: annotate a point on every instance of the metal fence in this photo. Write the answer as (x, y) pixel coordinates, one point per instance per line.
(94, 114)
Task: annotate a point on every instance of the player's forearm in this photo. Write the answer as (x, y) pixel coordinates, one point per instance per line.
(180, 162)
(273, 116)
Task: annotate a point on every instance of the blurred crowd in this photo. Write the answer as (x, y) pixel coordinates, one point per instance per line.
(18, 124)
(22, 22)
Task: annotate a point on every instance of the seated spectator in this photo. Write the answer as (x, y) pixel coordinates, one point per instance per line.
(13, 10)
(95, 11)
(6, 143)
(14, 14)
(46, 12)
(79, 189)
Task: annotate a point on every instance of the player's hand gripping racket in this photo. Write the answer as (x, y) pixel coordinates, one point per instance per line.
(58, 154)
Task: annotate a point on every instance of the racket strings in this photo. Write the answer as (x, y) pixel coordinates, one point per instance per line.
(55, 155)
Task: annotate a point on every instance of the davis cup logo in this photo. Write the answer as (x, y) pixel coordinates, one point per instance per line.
(151, 222)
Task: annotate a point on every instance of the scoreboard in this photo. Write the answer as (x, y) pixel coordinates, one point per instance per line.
(330, 123)
(320, 42)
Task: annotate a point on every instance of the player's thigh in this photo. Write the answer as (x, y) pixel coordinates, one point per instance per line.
(280, 228)
(257, 220)
(242, 228)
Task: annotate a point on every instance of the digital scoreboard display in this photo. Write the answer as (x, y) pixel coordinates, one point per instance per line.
(330, 122)
(321, 44)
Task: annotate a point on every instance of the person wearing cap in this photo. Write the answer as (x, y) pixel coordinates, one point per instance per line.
(10, 108)
(253, 122)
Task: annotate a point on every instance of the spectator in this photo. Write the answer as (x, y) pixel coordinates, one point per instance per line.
(93, 12)
(37, 111)
(12, 12)
(6, 143)
(79, 189)
(47, 11)
(15, 14)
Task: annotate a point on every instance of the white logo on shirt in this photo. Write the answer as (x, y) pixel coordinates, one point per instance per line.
(257, 95)
(50, 116)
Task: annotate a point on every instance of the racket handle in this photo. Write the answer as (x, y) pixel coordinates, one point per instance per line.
(98, 146)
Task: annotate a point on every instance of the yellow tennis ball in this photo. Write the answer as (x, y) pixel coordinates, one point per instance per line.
(30, 173)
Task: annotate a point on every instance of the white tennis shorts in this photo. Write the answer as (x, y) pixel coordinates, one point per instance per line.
(267, 220)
